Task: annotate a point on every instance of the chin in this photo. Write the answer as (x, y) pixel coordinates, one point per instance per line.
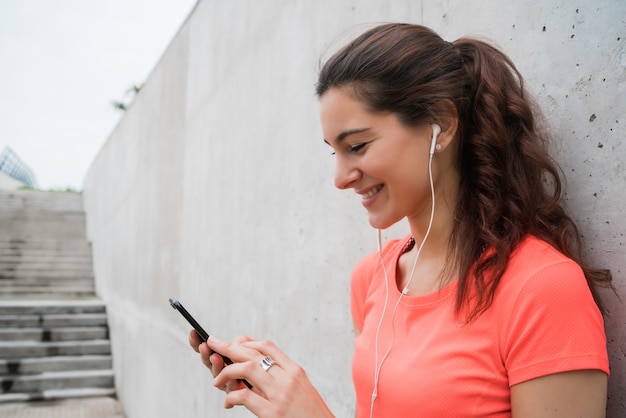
(382, 223)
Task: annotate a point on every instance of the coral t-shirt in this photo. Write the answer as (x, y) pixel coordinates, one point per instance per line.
(543, 320)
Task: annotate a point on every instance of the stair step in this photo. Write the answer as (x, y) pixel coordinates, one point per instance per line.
(34, 220)
(12, 257)
(47, 307)
(49, 283)
(42, 261)
(29, 349)
(58, 292)
(55, 364)
(35, 198)
(23, 246)
(16, 229)
(6, 398)
(39, 261)
(45, 281)
(55, 295)
(54, 228)
(45, 291)
(43, 232)
(41, 274)
(54, 334)
(42, 288)
(31, 216)
(46, 268)
(53, 320)
(57, 380)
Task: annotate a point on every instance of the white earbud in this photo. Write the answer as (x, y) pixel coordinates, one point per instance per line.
(436, 132)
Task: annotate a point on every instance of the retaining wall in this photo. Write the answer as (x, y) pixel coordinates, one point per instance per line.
(216, 188)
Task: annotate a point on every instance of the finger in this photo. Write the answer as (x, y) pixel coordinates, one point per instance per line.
(270, 349)
(232, 377)
(246, 366)
(240, 352)
(241, 339)
(213, 361)
(205, 356)
(210, 357)
(234, 385)
(217, 363)
(265, 383)
(282, 371)
(236, 352)
(194, 340)
(258, 405)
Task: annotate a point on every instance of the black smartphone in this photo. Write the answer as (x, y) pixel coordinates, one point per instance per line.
(201, 332)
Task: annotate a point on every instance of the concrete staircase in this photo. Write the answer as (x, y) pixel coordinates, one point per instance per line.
(54, 340)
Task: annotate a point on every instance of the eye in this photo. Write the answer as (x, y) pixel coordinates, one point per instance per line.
(353, 148)
(358, 147)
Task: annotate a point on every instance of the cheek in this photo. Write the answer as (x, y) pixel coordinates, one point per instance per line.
(410, 179)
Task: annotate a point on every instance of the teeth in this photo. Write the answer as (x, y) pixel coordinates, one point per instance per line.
(372, 192)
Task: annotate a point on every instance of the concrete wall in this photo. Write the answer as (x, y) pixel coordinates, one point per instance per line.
(9, 183)
(216, 188)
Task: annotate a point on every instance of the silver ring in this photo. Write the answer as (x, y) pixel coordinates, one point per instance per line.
(266, 363)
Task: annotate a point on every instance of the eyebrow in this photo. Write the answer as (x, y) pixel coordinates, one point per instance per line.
(347, 133)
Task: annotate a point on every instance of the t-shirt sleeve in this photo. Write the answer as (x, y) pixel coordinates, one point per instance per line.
(555, 326)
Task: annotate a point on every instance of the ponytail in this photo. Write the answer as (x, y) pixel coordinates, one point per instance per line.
(510, 187)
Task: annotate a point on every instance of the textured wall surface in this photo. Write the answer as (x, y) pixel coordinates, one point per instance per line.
(216, 187)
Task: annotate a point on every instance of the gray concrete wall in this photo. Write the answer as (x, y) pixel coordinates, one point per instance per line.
(216, 188)
(9, 183)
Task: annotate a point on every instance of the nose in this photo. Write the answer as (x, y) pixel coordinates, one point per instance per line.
(346, 175)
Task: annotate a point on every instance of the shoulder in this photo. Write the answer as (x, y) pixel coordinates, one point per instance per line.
(537, 253)
(535, 264)
(541, 278)
(550, 321)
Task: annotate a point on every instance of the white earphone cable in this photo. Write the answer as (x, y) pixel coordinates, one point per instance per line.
(378, 366)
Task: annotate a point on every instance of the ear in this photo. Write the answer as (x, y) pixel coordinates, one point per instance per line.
(449, 126)
(449, 122)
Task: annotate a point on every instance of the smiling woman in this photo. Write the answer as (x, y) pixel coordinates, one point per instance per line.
(486, 308)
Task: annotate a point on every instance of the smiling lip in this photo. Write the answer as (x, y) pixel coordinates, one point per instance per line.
(369, 196)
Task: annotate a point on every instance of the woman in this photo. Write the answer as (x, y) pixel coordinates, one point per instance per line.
(486, 308)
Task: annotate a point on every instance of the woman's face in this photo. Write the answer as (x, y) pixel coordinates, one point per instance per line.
(383, 160)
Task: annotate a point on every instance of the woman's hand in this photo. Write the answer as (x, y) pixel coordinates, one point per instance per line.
(212, 360)
(282, 390)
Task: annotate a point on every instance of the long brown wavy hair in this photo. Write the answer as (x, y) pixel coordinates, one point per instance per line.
(509, 185)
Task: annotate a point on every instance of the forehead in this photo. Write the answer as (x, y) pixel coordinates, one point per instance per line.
(342, 112)
(339, 107)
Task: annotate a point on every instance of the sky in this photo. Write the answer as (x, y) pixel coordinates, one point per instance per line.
(62, 65)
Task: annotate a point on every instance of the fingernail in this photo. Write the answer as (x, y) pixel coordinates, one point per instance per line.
(215, 340)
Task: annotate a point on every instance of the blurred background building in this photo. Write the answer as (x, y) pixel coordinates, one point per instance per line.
(15, 172)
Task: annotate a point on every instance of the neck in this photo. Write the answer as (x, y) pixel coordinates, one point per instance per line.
(436, 244)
